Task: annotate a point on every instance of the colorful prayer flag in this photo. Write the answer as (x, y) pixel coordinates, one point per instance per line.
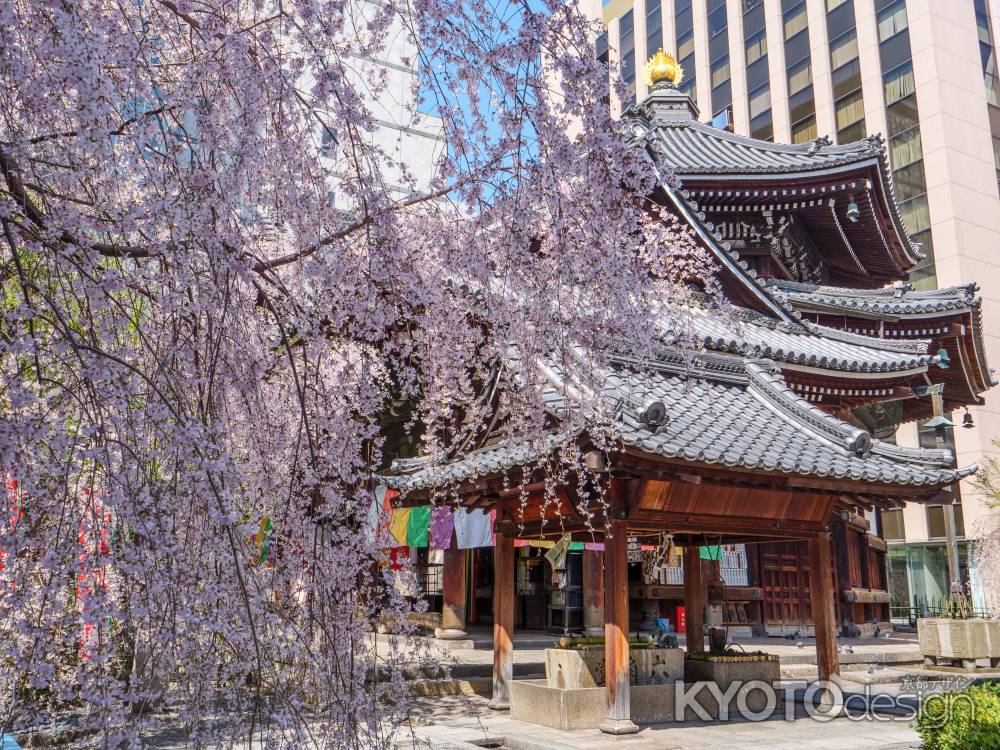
(473, 528)
(442, 524)
(416, 526)
(398, 525)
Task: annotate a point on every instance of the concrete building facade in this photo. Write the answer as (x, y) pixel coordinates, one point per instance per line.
(922, 73)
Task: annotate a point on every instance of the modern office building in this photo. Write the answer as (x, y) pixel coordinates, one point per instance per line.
(923, 74)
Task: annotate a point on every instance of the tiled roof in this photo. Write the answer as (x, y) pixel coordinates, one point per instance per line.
(739, 413)
(810, 345)
(898, 300)
(692, 149)
(697, 148)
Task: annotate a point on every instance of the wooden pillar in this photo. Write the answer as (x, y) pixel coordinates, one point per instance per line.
(503, 620)
(593, 592)
(821, 601)
(452, 596)
(616, 658)
(695, 598)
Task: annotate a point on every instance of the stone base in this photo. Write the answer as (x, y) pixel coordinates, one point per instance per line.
(450, 634)
(963, 640)
(724, 673)
(584, 668)
(499, 704)
(586, 708)
(618, 726)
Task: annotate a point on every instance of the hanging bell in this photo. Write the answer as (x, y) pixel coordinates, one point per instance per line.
(967, 422)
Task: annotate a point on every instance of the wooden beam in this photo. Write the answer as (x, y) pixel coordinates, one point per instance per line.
(744, 525)
(616, 660)
(695, 598)
(821, 601)
(503, 620)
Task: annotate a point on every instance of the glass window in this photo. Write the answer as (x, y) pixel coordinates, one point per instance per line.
(602, 48)
(983, 27)
(892, 524)
(802, 105)
(762, 127)
(923, 277)
(915, 214)
(799, 77)
(760, 101)
(935, 521)
(720, 71)
(756, 47)
(804, 131)
(627, 43)
(851, 133)
(902, 115)
(654, 27)
(834, 4)
(899, 84)
(685, 45)
(717, 21)
(850, 110)
(843, 49)
(688, 87)
(892, 20)
(795, 21)
(905, 148)
(910, 181)
(991, 79)
(846, 78)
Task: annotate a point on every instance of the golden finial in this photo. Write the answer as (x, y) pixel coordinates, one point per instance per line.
(662, 67)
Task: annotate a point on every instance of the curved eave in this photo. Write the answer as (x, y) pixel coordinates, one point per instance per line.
(874, 168)
(835, 374)
(730, 261)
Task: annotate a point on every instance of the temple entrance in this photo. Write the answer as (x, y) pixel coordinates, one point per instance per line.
(539, 603)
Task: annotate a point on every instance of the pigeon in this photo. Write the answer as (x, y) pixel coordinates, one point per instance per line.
(800, 644)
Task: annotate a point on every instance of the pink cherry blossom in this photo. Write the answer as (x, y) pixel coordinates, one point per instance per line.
(194, 337)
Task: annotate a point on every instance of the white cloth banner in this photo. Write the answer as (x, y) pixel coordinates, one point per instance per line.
(473, 528)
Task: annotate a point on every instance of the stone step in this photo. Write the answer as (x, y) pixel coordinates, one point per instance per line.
(485, 669)
(461, 686)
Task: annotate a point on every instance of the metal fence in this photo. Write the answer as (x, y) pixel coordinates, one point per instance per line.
(908, 614)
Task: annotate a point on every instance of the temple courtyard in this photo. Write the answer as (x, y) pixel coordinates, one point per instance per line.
(466, 722)
(452, 684)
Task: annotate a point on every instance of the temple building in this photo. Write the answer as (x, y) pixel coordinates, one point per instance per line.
(791, 70)
(770, 461)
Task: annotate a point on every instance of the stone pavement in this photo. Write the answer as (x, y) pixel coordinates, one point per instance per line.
(450, 723)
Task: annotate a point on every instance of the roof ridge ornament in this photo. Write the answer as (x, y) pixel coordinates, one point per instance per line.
(662, 69)
(665, 104)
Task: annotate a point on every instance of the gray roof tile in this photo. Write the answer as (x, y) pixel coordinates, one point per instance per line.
(898, 300)
(811, 345)
(757, 423)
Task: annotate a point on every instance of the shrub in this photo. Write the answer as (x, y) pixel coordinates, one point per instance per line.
(963, 720)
